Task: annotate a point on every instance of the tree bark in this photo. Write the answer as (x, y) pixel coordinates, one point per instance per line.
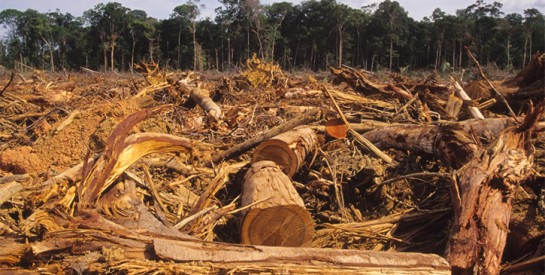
(132, 53)
(450, 143)
(288, 149)
(105, 55)
(482, 194)
(340, 45)
(276, 215)
(300, 260)
(112, 53)
(193, 30)
(179, 49)
(391, 54)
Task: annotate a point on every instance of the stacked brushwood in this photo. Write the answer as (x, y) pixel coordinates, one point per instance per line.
(174, 174)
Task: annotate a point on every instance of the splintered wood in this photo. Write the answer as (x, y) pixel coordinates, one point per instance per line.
(269, 172)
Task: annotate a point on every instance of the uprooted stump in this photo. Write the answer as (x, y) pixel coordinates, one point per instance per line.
(277, 215)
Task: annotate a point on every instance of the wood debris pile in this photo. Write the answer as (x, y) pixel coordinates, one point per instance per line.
(172, 172)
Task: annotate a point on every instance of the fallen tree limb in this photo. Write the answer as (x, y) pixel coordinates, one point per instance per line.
(487, 128)
(17, 178)
(359, 82)
(11, 252)
(210, 107)
(307, 117)
(67, 121)
(534, 264)
(9, 82)
(120, 246)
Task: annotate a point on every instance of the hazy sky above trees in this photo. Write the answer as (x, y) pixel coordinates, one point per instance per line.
(161, 9)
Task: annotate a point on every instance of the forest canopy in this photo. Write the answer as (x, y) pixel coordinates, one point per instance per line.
(311, 35)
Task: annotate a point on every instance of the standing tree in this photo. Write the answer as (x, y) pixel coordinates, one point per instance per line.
(276, 13)
(534, 24)
(342, 16)
(391, 20)
(188, 12)
(139, 25)
(109, 20)
(64, 28)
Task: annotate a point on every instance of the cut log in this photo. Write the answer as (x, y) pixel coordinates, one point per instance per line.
(288, 149)
(308, 116)
(276, 214)
(336, 128)
(200, 97)
(482, 196)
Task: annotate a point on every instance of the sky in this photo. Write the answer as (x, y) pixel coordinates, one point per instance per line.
(161, 9)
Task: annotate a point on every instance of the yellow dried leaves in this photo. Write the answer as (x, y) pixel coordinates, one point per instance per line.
(260, 73)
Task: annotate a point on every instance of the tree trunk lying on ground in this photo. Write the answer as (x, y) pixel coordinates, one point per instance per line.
(277, 215)
(288, 149)
(487, 128)
(428, 138)
(449, 143)
(482, 196)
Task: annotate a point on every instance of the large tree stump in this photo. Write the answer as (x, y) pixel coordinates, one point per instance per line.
(276, 214)
(288, 149)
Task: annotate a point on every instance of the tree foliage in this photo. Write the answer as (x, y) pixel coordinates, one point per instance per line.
(314, 34)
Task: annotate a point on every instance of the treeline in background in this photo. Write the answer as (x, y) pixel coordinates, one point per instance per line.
(312, 35)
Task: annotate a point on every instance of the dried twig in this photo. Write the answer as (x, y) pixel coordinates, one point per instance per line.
(363, 141)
